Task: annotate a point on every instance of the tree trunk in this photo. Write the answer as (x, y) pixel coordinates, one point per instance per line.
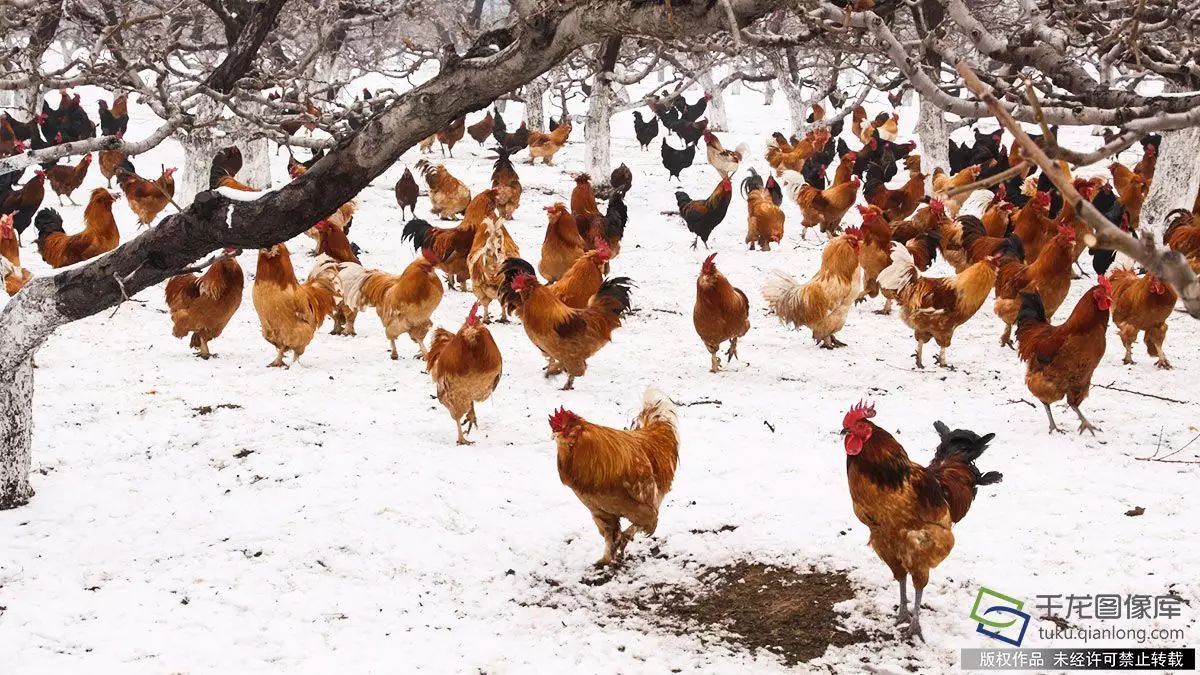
(934, 137)
(797, 106)
(199, 146)
(535, 105)
(769, 93)
(597, 131)
(16, 427)
(718, 120)
(1176, 176)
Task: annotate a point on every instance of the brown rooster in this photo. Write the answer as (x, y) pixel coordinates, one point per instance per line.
(290, 312)
(1142, 304)
(99, 235)
(203, 305)
(465, 367)
(910, 509)
(620, 473)
(721, 313)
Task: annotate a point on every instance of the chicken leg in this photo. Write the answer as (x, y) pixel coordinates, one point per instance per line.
(1085, 425)
(278, 362)
(1050, 416)
(902, 616)
(732, 354)
(716, 360)
(914, 626)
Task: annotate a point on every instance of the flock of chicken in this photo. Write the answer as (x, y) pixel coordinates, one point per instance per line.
(1013, 237)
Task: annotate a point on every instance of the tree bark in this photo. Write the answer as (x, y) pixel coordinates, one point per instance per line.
(16, 434)
(718, 119)
(528, 48)
(535, 104)
(934, 137)
(1176, 177)
(597, 132)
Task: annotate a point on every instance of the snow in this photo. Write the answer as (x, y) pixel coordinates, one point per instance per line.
(322, 516)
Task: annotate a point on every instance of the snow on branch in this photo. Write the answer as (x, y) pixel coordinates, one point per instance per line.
(1168, 265)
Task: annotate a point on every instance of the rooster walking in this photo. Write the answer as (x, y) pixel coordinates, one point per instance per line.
(910, 509)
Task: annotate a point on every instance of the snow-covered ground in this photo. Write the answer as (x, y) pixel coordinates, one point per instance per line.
(322, 517)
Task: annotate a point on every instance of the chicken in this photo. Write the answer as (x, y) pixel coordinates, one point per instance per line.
(943, 183)
(1060, 359)
(934, 306)
(724, 161)
(116, 121)
(10, 142)
(451, 134)
(845, 168)
(334, 246)
(290, 312)
(407, 193)
(562, 245)
(491, 247)
(703, 216)
(465, 367)
(448, 196)
(99, 235)
(782, 158)
(568, 336)
(857, 118)
(1132, 190)
(895, 204)
(890, 128)
(721, 313)
(875, 253)
(405, 302)
(823, 303)
(110, 162)
(910, 509)
(575, 287)
(546, 146)
(512, 142)
(1032, 225)
(203, 305)
(426, 145)
(507, 184)
(1183, 235)
(764, 223)
(482, 130)
(23, 203)
(1142, 304)
(620, 473)
(821, 208)
(1145, 166)
(592, 225)
(689, 132)
(65, 179)
(11, 273)
(644, 131)
(146, 198)
(1049, 275)
(620, 181)
(675, 161)
(227, 162)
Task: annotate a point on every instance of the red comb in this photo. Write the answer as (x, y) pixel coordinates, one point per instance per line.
(858, 412)
(1105, 284)
(560, 419)
(853, 232)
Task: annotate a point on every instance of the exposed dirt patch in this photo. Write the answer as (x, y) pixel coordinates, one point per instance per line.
(754, 606)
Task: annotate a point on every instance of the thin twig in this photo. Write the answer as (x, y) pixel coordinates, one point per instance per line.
(988, 182)
(1031, 95)
(1130, 391)
(1021, 400)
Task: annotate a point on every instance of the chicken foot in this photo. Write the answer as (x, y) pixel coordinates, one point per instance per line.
(1050, 416)
(716, 361)
(914, 626)
(278, 362)
(1085, 425)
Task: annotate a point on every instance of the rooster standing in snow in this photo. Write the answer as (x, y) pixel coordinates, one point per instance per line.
(724, 161)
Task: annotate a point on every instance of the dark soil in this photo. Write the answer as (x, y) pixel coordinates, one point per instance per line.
(754, 606)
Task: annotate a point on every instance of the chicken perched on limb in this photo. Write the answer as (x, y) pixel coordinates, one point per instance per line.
(620, 473)
(910, 509)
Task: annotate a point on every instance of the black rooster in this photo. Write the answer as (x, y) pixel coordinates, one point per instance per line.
(677, 160)
(645, 131)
